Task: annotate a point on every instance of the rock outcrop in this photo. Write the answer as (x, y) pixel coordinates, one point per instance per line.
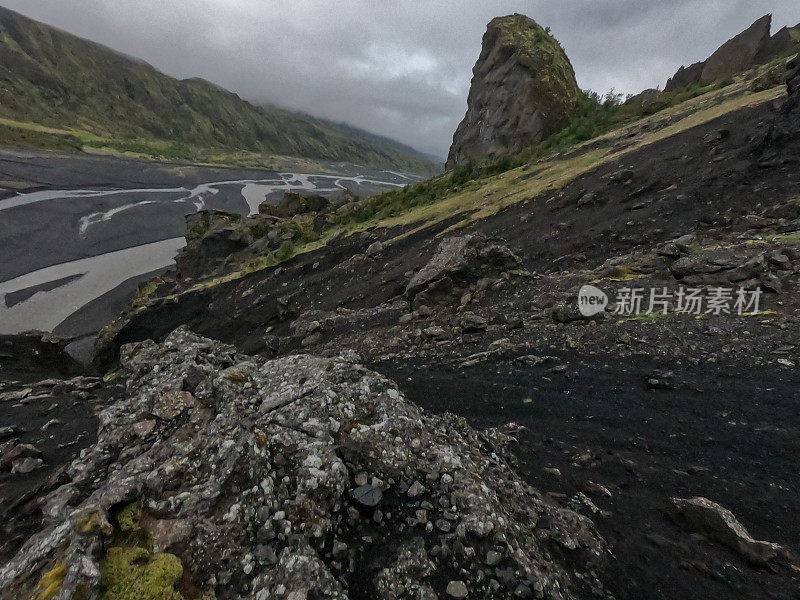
(293, 204)
(230, 476)
(215, 238)
(793, 85)
(752, 47)
(738, 53)
(701, 515)
(458, 262)
(523, 90)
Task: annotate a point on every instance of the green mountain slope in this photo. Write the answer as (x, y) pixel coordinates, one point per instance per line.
(55, 79)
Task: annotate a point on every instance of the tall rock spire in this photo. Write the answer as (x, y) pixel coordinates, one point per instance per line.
(523, 89)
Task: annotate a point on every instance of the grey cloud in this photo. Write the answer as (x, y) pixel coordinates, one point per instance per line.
(399, 68)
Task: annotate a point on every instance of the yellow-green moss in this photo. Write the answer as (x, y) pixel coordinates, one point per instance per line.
(135, 574)
(91, 523)
(145, 291)
(51, 581)
(128, 517)
(130, 569)
(623, 273)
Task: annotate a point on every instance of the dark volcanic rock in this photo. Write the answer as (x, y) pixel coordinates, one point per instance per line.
(793, 85)
(293, 204)
(211, 236)
(35, 354)
(685, 77)
(247, 487)
(722, 266)
(523, 90)
(738, 53)
(783, 43)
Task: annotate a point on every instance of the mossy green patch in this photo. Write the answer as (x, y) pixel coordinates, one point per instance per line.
(788, 238)
(50, 582)
(145, 291)
(131, 573)
(128, 517)
(623, 273)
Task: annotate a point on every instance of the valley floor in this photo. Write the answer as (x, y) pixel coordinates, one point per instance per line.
(81, 232)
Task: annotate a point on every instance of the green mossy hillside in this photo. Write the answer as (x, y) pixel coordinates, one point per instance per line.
(53, 79)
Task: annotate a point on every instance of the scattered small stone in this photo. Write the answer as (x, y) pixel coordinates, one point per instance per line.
(416, 489)
(375, 249)
(701, 515)
(15, 396)
(591, 487)
(26, 465)
(10, 431)
(661, 380)
(51, 423)
(443, 525)
(339, 550)
(457, 589)
(435, 332)
(470, 322)
(368, 495)
(493, 558)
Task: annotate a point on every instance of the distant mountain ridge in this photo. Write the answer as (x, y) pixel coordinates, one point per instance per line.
(56, 79)
(752, 47)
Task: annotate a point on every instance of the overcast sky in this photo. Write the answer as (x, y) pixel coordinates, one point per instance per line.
(399, 68)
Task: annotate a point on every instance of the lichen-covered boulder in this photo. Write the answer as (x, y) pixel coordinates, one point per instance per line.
(523, 90)
(230, 476)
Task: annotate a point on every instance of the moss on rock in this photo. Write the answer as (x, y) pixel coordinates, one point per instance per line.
(523, 90)
(130, 569)
(554, 78)
(132, 573)
(50, 582)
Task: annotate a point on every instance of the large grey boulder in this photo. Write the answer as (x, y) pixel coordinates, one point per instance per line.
(460, 261)
(293, 204)
(721, 266)
(292, 478)
(523, 90)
